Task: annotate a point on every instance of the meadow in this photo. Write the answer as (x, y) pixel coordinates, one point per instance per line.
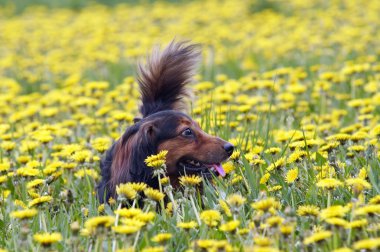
(295, 86)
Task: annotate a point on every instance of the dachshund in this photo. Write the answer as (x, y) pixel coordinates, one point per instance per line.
(163, 126)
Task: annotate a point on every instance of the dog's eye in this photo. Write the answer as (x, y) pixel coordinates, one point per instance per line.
(187, 132)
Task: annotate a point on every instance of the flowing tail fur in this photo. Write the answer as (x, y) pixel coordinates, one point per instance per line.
(164, 78)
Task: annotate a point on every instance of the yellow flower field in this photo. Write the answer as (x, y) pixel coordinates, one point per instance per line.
(294, 85)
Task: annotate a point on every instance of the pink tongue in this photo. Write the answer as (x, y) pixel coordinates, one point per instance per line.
(219, 169)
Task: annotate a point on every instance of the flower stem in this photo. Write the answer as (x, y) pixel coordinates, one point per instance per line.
(162, 200)
(116, 222)
(195, 210)
(98, 243)
(175, 208)
(329, 198)
(43, 222)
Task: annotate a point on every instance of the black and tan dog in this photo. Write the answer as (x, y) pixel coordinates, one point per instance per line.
(163, 127)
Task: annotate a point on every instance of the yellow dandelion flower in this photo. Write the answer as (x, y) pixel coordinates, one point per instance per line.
(153, 249)
(40, 200)
(3, 179)
(273, 150)
(291, 175)
(138, 186)
(236, 200)
(125, 191)
(5, 166)
(329, 146)
(296, 156)
(211, 217)
(161, 238)
(132, 222)
(87, 172)
(262, 241)
(214, 245)
(128, 212)
(8, 145)
(35, 183)
(356, 148)
(191, 180)
(308, 210)
(187, 225)
(27, 146)
(274, 188)
(28, 172)
(264, 179)
(99, 221)
(317, 237)
(357, 223)
(329, 183)
(43, 136)
(156, 161)
(84, 211)
(236, 179)
(266, 204)
(32, 193)
(85, 232)
(81, 156)
(164, 181)
(224, 206)
(287, 229)
(243, 231)
(368, 210)
(236, 155)
(125, 229)
(101, 144)
(336, 222)
(375, 200)
(24, 214)
(111, 201)
(230, 226)
(228, 167)
(363, 173)
(340, 137)
(154, 194)
(367, 244)
(257, 161)
(145, 217)
(101, 208)
(20, 204)
(274, 221)
(334, 211)
(169, 208)
(358, 184)
(277, 164)
(47, 239)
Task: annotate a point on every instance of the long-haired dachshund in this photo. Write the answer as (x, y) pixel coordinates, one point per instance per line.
(163, 126)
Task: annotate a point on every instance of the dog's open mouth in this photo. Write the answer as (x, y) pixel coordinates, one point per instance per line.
(192, 166)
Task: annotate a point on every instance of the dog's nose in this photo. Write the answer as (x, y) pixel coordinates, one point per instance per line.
(229, 148)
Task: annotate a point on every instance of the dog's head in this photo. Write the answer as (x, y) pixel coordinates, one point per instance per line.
(193, 151)
(190, 149)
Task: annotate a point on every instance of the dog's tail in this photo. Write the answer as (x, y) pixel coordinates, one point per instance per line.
(164, 78)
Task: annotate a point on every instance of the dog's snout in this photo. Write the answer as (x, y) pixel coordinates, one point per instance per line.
(229, 148)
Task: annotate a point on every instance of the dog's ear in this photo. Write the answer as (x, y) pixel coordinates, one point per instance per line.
(146, 145)
(150, 131)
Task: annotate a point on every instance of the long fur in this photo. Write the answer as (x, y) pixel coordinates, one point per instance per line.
(163, 80)
(162, 85)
